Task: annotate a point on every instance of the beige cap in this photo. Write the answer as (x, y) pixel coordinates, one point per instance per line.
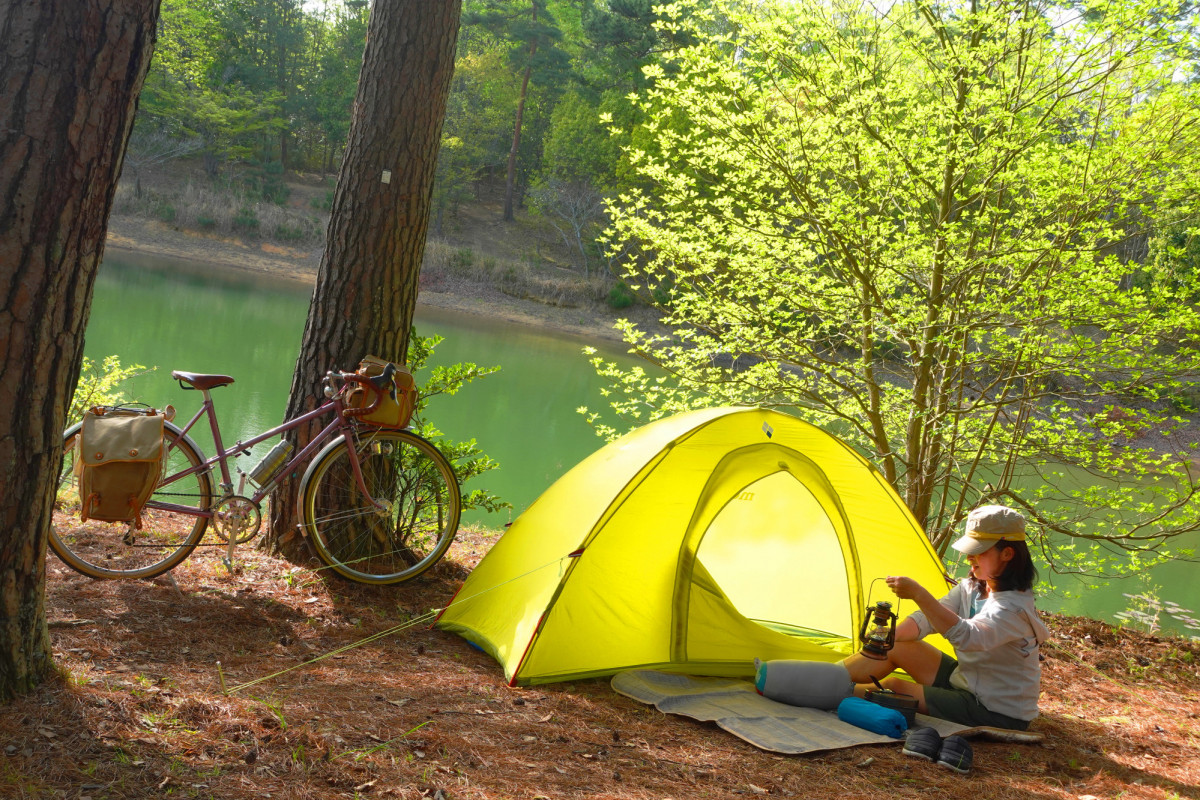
(987, 525)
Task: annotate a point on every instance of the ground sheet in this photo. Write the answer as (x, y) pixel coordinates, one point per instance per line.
(734, 706)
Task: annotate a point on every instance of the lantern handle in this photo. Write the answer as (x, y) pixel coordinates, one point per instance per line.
(871, 591)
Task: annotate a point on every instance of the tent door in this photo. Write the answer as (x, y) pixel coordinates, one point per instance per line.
(773, 536)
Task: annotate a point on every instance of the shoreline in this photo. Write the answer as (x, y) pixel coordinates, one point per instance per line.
(144, 238)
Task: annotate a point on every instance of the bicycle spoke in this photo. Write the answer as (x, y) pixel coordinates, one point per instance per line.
(406, 475)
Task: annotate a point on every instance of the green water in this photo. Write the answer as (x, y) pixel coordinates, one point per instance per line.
(199, 318)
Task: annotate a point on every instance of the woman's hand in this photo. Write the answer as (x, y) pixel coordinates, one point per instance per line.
(938, 615)
(904, 588)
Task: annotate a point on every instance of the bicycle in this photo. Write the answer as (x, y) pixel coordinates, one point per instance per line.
(380, 506)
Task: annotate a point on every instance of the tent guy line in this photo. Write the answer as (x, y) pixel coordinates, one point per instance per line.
(428, 616)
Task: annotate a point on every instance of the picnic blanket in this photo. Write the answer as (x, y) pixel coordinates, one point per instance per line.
(734, 706)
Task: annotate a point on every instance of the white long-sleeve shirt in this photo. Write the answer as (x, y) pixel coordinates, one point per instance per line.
(997, 647)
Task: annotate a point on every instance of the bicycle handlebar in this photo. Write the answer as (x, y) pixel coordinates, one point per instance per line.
(378, 385)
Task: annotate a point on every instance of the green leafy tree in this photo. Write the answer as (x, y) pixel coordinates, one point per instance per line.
(194, 93)
(262, 47)
(579, 164)
(338, 51)
(906, 225)
(1174, 250)
(578, 146)
(625, 37)
(475, 140)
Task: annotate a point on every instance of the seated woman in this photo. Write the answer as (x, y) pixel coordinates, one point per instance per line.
(990, 620)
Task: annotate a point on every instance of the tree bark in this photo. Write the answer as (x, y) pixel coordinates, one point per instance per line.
(70, 74)
(367, 285)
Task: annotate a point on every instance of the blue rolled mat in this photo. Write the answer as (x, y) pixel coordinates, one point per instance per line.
(872, 717)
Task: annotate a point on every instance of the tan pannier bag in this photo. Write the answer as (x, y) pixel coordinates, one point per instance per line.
(396, 407)
(119, 463)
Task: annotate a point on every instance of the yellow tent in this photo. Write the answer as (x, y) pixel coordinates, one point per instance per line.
(694, 544)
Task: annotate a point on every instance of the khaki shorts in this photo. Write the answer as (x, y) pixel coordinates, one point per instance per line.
(948, 699)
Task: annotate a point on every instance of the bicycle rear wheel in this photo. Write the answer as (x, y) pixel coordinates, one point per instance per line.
(113, 549)
(414, 483)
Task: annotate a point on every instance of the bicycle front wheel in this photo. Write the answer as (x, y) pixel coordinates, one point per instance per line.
(410, 529)
(116, 550)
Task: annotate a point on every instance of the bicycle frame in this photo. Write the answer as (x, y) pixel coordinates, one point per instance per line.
(338, 426)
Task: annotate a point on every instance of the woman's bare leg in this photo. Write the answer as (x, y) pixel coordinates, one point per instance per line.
(919, 659)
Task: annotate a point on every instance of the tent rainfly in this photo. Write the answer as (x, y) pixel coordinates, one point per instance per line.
(695, 544)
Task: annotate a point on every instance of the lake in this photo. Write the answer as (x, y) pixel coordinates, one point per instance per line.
(205, 319)
(201, 318)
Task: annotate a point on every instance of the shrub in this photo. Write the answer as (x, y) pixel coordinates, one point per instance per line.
(324, 202)
(1185, 399)
(97, 386)
(246, 220)
(620, 296)
(289, 233)
(461, 259)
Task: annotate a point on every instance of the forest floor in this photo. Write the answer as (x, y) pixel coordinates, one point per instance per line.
(359, 697)
(367, 700)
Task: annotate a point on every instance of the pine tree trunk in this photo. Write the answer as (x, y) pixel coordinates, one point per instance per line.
(71, 72)
(510, 175)
(367, 285)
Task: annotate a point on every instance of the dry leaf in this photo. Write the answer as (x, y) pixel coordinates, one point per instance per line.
(546, 718)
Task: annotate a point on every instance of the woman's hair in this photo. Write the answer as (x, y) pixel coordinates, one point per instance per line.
(1020, 574)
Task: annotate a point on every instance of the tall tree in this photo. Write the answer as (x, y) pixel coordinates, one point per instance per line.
(908, 224)
(71, 71)
(367, 285)
(261, 46)
(533, 34)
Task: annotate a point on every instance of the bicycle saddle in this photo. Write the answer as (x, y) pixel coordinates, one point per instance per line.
(196, 380)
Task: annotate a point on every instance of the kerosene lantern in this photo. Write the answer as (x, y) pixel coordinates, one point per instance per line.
(882, 635)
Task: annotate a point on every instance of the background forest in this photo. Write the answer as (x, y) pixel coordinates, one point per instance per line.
(257, 88)
(138, 709)
(962, 236)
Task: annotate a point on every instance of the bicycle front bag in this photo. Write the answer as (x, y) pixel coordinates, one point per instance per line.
(396, 407)
(119, 462)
